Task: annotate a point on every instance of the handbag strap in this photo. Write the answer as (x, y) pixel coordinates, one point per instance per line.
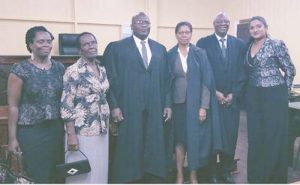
(77, 151)
(19, 161)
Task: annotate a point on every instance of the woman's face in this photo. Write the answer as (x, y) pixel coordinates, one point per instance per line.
(184, 35)
(42, 44)
(88, 46)
(257, 30)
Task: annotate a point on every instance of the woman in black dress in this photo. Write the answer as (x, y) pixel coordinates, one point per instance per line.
(34, 91)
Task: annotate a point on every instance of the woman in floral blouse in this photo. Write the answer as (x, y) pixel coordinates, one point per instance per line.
(267, 105)
(85, 111)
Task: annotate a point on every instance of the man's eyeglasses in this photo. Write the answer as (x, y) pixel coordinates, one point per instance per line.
(141, 22)
(184, 32)
(222, 21)
(89, 44)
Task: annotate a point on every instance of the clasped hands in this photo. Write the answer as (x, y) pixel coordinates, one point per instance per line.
(224, 100)
(117, 114)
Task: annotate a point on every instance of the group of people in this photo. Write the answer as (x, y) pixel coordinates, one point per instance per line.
(167, 105)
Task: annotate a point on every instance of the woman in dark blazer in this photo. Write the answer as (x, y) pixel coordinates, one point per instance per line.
(267, 105)
(193, 104)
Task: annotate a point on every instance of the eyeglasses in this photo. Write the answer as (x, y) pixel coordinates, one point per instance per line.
(222, 21)
(184, 32)
(89, 44)
(141, 22)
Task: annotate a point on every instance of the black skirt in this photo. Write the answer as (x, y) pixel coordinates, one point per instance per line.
(179, 120)
(42, 146)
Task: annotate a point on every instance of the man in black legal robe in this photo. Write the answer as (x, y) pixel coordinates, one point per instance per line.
(225, 54)
(140, 102)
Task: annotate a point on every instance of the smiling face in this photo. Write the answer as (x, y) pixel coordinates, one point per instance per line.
(88, 46)
(257, 30)
(184, 35)
(221, 25)
(41, 45)
(141, 26)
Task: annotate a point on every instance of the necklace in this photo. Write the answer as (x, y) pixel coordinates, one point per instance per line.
(44, 66)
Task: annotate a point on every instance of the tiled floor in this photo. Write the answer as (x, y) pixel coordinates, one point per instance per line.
(241, 153)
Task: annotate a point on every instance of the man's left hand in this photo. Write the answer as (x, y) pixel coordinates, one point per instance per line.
(228, 98)
(167, 114)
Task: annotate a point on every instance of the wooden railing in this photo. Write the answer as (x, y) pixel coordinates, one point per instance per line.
(3, 125)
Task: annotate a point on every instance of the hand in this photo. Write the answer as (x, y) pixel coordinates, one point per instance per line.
(220, 97)
(117, 115)
(13, 146)
(202, 115)
(228, 99)
(167, 114)
(72, 142)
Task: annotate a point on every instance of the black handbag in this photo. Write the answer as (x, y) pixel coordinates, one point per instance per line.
(8, 175)
(73, 168)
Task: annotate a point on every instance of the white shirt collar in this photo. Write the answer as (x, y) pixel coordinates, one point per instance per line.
(220, 43)
(183, 59)
(138, 41)
(188, 48)
(218, 37)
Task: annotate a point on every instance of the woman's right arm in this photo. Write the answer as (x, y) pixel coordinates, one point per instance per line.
(14, 91)
(68, 112)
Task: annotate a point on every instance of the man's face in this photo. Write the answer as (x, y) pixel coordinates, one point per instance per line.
(221, 25)
(141, 26)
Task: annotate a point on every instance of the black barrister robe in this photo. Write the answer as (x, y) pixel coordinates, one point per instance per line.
(229, 77)
(140, 144)
(203, 139)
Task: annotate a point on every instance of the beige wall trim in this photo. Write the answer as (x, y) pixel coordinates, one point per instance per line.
(35, 20)
(97, 23)
(196, 28)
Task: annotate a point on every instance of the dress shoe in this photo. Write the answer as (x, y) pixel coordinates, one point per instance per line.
(233, 167)
(227, 179)
(214, 180)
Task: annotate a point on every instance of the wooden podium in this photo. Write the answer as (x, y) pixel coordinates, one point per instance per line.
(6, 61)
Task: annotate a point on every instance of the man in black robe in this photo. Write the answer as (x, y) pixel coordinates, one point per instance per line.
(140, 102)
(225, 54)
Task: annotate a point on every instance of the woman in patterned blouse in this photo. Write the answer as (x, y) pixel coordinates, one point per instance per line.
(85, 111)
(34, 91)
(267, 105)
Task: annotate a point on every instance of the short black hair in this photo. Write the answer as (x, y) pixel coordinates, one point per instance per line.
(80, 35)
(30, 35)
(138, 15)
(183, 23)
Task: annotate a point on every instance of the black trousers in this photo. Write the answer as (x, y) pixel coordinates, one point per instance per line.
(267, 120)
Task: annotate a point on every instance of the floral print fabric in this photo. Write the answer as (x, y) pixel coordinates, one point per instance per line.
(84, 99)
(41, 92)
(264, 67)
